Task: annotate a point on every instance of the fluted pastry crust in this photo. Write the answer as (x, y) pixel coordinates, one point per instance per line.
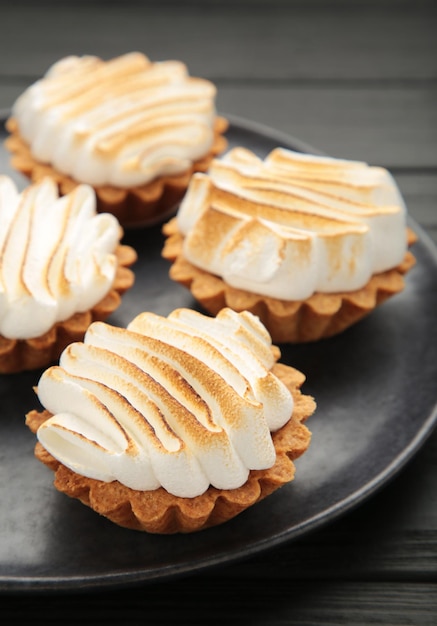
(18, 355)
(135, 206)
(319, 316)
(160, 512)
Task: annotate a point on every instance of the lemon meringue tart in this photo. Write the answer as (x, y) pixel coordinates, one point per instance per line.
(61, 267)
(173, 424)
(310, 244)
(133, 129)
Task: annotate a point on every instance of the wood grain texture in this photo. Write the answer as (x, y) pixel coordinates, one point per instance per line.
(356, 79)
(300, 41)
(256, 603)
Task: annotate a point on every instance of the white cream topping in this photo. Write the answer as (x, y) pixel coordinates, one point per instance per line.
(293, 224)
(56, 256)
(181, 402)
(121, 122)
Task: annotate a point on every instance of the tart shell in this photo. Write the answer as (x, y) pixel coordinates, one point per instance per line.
(161, 512)
(320, 316)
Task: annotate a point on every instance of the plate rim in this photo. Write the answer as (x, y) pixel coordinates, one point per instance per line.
(136, 576)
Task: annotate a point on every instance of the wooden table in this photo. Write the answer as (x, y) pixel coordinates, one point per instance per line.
(356, 80)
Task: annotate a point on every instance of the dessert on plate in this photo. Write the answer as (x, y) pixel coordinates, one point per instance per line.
(133, 129)
(62, 266)
(310, 244)
(173, 424)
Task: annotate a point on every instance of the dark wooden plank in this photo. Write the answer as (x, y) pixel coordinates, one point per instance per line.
(217, 602)
(391, 127)
(232, 40)
(9, 92)
(420, 194)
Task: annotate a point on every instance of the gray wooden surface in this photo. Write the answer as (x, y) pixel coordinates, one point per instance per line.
(356, 80)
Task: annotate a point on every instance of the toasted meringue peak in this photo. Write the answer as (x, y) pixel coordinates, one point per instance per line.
(182, 402)
(56, 256)
(121, 122)
(293, 224)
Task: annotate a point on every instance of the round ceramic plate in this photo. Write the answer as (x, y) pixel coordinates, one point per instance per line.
(376, 396)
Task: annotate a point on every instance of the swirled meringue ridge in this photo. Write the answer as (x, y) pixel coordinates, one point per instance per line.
(122, 122)
(182, 402)
(57, 256)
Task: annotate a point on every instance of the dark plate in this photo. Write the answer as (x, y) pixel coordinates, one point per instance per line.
(376, 395)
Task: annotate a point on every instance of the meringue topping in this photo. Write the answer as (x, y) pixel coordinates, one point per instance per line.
(181, 402)
(121, 122)
(293, 224)
(56, 256)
